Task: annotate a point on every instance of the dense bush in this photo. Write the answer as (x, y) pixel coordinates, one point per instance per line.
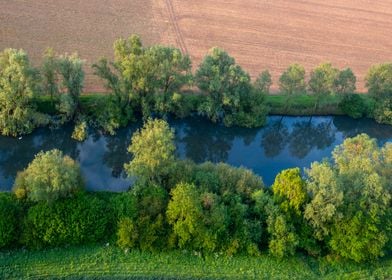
(230, 95)
(80, 131)
(354, 106)
(80, 220)
(9, 220)
(147, 230)
(48, 177)
(383, 112)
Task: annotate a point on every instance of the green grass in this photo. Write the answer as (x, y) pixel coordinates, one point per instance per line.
(99, 262)
(300, 105)
(304, 105)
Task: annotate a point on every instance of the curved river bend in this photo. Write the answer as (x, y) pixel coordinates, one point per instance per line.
(284, 143)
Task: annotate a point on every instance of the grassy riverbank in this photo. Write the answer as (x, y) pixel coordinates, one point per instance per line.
(110, 262)
(301, 105)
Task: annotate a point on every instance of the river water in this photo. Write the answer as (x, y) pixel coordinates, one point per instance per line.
(284, 143)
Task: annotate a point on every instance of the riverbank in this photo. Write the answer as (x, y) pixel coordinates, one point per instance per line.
(91, 262)
(301, 105)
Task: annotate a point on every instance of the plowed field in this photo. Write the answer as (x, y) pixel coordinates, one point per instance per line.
(258, 33)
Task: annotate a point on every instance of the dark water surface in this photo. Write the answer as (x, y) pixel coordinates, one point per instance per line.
(283, 143)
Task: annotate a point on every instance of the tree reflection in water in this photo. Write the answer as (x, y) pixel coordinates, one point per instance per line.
(275, 138)
(283, 143)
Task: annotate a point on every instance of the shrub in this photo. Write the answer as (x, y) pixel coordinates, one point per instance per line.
(126, 233)
(147, 229)
(80, 220)
(80, 131)
(354, 106)
(48, 177)
(9, 220)
(383, 112)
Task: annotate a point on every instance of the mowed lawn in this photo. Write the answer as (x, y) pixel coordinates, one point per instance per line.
(109, 262)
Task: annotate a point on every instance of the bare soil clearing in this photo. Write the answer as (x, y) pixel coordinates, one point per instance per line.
(260, 34)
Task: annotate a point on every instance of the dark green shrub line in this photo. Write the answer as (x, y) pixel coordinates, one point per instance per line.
(152, 81)
(340, 208)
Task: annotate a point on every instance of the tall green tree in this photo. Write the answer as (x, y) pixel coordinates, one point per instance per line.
(153, 151)
(379, 81)
(292, 82)
(322, 81)
(345, 82)
(379, 84)
(142, 78)
(350, 200)
(49, 72)
(263, 82)
(71, 70)
(18, 85)
(229, 92)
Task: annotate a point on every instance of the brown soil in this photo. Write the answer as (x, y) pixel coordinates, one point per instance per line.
(260, 34)
(87, 26)
(274, 33)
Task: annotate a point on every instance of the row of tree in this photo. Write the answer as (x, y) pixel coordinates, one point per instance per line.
(340, 207)
(154, 80)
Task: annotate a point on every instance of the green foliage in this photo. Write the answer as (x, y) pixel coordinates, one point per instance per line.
(71, 71)
(18, 85)
(229, 92)
(263, 82)
(283, 240)
(142, 79)
(124, 205)
(198, 220)
(153, 152)
(345, 82)
(49, 72)
(229, 222)
(80, 131)
(322, 81)
(383, 112)
(379, 81)
(289, 190)
(9, 220)
(127, 234)
(350, 200)
(48, 177)
(354, 106)
(80, 220)
(292, 82)
(147, 230)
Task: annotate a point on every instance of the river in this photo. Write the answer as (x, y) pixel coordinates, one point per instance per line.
(284, 143)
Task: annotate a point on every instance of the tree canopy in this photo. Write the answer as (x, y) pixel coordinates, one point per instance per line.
(50, 176)
(18, 85)
(153, 151)
(230, 96)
